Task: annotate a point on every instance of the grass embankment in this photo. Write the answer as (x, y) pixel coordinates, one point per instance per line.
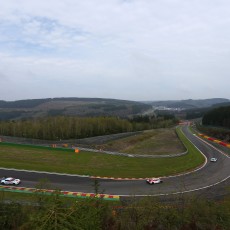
(150, 142)
(97, 164)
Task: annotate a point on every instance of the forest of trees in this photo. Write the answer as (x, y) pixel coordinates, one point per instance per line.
(216, 123)
(65, 127)
(56, 213)
(218, 117)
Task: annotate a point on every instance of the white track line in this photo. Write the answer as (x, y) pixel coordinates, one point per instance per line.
(187, 191)
(160, 194)
(109, 178)
(44, 172)
(195, 170)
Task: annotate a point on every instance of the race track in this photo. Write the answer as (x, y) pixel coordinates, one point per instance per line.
(210, 176)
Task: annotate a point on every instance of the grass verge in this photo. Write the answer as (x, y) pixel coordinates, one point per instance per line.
(150, 142)
(97, 164)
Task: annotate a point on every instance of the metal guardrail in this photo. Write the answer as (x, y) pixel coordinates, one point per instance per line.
(136, 155)
(133, 155)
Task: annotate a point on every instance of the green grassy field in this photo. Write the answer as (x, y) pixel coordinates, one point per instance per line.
(150, 142)
(97, 164)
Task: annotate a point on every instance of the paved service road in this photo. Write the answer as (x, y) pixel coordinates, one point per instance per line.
(208, 176)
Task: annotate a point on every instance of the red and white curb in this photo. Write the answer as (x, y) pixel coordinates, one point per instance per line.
(215, 140)
(62, 193)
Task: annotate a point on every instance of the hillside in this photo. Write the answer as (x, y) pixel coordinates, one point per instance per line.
(189, 104)
(21, 109)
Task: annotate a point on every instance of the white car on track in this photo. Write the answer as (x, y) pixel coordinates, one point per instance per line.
(213, 159)
(10, 181)
(154, 181)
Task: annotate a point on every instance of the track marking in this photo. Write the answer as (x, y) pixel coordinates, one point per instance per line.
(112, 178)
(195, 170)
(187, 191)
(160, 194)
(44, 172)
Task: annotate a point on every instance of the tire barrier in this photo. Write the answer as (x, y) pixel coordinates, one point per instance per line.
(61, 193)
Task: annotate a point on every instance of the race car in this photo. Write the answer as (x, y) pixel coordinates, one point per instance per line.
(154, 181)
(213, 159)
(10, 181)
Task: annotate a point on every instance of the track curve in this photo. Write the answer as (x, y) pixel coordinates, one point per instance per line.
(208, 176)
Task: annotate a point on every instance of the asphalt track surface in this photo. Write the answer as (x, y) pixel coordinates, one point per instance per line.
(210, 179)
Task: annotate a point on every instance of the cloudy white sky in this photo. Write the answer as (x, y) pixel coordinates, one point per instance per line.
(124, 49)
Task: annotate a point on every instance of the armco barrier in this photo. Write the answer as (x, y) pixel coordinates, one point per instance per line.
(134, 155)
(61, 193)
(76, 150)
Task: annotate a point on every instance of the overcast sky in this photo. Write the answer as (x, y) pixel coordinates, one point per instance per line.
(124, 49)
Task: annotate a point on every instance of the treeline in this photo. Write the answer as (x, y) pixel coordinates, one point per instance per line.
(195, 113)
(217, 132)
(216, 123)
(64, 127)
(22, 103)
(218, 117)
(55, 213)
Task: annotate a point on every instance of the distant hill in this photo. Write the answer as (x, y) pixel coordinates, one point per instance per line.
(73, 106)
(31, 108)
(189, 104)
(221, 104)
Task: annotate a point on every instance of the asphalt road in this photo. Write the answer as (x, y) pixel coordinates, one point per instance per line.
(211, 179)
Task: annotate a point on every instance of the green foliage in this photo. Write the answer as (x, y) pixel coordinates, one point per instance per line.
(22, 103)
(86, 163)
(60, 127)
(70, 107)
(100, 164)
(6, 115)
(218, 117)
(184, 212)
(56, 215)
(11, 215)
(217, 132)
(196, 113)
